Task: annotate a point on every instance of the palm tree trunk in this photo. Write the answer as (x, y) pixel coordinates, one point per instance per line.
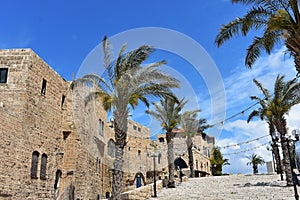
(286, 162)
(120, 127)
(255, 169)
(189, 144)
(117, 174)
(275, 149)
(170, 143)
(282, 129)
(277, 157)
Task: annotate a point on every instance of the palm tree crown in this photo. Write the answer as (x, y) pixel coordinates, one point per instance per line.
(255, 160)
(278, 19)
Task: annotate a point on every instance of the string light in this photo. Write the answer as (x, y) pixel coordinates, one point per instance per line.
(233, 116)
(246, 150)
(245, 142)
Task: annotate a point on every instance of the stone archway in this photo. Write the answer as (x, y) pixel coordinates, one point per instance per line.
(139, 176)
(179, 162)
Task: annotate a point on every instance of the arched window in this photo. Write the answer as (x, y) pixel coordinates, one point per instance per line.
(43, 167)
(34, 164)
(111, 148)
(107, 194)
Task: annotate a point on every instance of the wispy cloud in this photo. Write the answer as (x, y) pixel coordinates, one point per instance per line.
(239, 87)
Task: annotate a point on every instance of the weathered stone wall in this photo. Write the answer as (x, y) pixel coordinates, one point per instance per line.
(14, 168)
(39, 122)
(39, 115)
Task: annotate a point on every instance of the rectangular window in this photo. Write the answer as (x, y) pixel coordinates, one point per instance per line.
(43, 91)
(101, 127)
(139, 129)
(134, 127)
(3, 75)
(63, 100)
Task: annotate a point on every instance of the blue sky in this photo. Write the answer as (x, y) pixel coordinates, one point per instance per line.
(64, 32)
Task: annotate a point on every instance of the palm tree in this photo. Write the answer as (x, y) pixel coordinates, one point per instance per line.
(128, 82)
(168, 114)
(255, 160)
(286, 95)
(217, 162)
(278, 19)
(261, 112)
(275, 107)
(190, 125)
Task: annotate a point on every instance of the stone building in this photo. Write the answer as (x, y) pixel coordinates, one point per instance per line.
(55, 145)
(202, 147)
(52, 143)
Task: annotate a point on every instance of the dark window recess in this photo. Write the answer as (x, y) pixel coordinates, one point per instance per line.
(43, 167)
(158, 158)
(134, 127)
(57, 179)
(107, 195)
(139, 129)
(111, 148)
(139, 152)
(44, 84)
(98, 163)
(128, 148)
(66, 134)
(161, 140)
(101, 127)
(34, 164)
(3, 75)
(63, 98)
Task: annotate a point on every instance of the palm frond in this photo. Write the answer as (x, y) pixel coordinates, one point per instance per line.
(228, 31)
(267, 43)
(253, 114)
(279, 85)
(262, 89)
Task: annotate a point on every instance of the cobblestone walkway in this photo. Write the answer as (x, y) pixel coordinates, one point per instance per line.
(230, 187)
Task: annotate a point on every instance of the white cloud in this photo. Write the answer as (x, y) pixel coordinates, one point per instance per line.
(239, 87)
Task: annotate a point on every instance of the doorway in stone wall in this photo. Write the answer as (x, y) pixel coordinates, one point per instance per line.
(139, 179)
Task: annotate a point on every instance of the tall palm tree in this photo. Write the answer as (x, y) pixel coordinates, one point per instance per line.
(255, 160)
(279, 20)
(190, 125)
(261, 112)
(127, 83)
(277, 105)
(286, 95)
(168, 114)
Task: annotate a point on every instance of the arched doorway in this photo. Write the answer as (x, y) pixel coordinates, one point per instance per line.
(180, 163)
(139, 179)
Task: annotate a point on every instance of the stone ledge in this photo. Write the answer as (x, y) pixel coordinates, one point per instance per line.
(143, 192)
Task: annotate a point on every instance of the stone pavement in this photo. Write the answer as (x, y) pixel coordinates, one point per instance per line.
(230, 187)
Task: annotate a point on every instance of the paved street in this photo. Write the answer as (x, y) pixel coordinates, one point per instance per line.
(230, 187)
